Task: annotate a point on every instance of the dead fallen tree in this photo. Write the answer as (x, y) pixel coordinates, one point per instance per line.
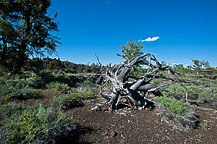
(135, 90)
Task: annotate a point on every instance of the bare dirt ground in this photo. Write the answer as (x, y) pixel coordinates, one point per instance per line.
(141, 127)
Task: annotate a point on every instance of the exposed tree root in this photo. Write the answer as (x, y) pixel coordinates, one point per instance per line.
(124, 85)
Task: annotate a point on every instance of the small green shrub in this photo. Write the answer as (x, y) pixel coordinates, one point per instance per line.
(47, 76)
(157, 81)
(10, 109)
(204, 125)
(206, 96)
(65, 102)
(69, 79)
(23, 94)
(65, 78)
(199, 136)
(20, 87)
(195, 89)
(34, 124)
(87, 83)
(175, 106)
(175, 88)
(90, 93)
(179, 117)
(22, 82)
(58, 87)
(4, 90)
(177, 112)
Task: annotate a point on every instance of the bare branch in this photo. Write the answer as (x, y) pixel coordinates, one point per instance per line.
(127, 86)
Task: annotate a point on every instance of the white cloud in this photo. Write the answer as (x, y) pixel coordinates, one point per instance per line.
(150, 39)
(186, 65)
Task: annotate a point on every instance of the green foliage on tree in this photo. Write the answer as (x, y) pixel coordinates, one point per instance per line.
(26, 30)
(181, 69)
(131, 50)
(8, 34)
(199, 65)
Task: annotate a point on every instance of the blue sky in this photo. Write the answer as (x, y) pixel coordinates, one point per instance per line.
(187, 29)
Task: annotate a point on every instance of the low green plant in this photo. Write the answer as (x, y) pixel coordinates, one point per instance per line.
(179, 117)
(35, 124)
(66, 78)
(22, 82)
(90, 93)
(64, 102)
(87, 83)
(4, 90)
(58, 87)
(175, 106)
(157, 81)
(174, 89)
(204, 125)
(177, 112)
(193, 89)
(199, 136)
(58, 77)
(19, 88)
(10, 109)
(23, 94)
(206, 96)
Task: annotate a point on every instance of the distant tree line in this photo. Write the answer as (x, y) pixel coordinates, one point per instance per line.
(49, 64)
(199, 67)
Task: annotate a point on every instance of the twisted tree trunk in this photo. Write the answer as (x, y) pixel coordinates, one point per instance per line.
(124, 85)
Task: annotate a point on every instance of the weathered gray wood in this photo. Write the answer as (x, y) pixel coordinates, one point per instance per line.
(126, 86)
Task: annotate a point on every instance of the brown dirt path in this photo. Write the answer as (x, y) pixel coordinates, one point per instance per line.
(141, 127)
